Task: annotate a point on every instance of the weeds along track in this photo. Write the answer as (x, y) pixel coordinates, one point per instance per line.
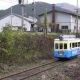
(33, 71)
(30, 72)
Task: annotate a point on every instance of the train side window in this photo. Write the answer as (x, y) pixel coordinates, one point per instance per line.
(61, 46)
(65, 46)
(78, 44)
(70, 45)
(56, 46)
(73, 45)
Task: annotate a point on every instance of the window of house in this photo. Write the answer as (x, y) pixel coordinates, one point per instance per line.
(65, 46)
(64, 27)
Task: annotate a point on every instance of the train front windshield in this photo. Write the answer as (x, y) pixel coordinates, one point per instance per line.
(60, 46)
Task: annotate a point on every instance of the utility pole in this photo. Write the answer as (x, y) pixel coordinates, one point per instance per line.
(11, 11)
(33, 9)
(34, 14)
(45, 23)
(21, 2)
(77, 20)
(27, 1)
(11, 16)
(22, 6)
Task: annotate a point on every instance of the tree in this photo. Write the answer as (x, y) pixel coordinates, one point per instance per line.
(45, 23)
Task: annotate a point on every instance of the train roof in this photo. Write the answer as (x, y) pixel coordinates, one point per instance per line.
(71, 38)
(67, 39)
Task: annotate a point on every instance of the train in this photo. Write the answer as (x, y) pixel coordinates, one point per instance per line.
(66, 46)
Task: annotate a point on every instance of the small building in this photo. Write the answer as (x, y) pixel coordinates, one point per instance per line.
(16, 22)
(61, 19)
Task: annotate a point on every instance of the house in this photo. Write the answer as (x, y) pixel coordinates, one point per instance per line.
(61, 19)
(15, 21)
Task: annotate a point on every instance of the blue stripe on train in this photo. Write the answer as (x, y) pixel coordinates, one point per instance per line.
(67, 53)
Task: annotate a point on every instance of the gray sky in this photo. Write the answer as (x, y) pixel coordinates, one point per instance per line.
(4, 4)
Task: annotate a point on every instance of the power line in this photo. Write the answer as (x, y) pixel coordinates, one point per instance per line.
(8, 1)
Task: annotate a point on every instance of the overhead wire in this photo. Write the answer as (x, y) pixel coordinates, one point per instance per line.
(8, 1)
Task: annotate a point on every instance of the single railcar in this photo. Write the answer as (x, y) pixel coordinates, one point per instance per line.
(66, 46)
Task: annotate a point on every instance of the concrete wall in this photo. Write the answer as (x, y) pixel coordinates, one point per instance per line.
(63, 19)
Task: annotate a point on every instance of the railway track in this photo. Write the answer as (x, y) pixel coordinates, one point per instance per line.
(33, 71)
(28, 73)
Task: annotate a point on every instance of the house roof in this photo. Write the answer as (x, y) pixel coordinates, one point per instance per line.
(62, 10)
(40, 8)
(68, 6)
(29, 19)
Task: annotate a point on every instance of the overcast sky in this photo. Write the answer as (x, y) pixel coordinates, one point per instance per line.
(4, 4)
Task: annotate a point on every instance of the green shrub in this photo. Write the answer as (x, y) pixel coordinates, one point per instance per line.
(19, 47)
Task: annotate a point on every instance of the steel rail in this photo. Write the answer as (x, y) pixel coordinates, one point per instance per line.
(53, 66)
(26, 70)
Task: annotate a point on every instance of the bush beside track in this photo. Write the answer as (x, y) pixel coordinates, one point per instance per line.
(20, 47)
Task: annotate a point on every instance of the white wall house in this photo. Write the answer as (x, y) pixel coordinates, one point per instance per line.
(65, 19)
(16, 21)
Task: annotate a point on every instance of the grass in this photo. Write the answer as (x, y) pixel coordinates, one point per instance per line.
(41, 33)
